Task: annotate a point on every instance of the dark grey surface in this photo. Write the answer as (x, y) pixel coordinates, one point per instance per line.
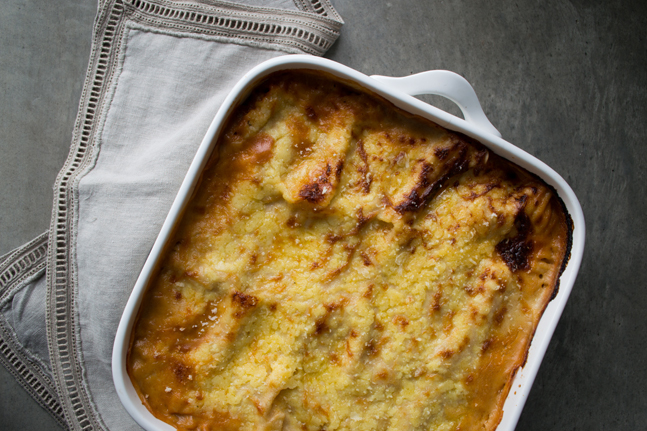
(44, 51)
(566, 81)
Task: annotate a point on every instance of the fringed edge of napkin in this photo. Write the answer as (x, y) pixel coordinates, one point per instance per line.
(17, 269)
(288, 31)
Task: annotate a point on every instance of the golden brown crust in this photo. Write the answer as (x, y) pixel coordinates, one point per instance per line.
(345, 265)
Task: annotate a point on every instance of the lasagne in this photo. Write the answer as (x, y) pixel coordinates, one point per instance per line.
(345, 265)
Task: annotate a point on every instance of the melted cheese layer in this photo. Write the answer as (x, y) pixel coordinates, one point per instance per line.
(346, 266)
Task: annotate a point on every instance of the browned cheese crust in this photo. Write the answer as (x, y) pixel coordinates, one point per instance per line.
(344, 265)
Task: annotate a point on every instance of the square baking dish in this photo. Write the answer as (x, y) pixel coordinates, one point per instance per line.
(400, 92)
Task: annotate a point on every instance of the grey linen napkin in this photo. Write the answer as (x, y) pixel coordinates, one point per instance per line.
(158, 73)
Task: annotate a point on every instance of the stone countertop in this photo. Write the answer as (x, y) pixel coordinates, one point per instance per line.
(565, 81)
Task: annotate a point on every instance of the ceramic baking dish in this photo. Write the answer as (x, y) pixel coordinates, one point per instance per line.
(400, 92)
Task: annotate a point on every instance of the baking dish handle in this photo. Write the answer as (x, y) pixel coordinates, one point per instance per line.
(449, 85)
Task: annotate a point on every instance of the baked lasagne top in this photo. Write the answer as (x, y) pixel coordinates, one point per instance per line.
(344, 265)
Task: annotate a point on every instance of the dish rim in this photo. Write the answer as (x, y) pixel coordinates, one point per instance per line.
(524, 376)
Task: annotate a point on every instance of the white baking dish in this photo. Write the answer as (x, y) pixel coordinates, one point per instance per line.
(399, 91)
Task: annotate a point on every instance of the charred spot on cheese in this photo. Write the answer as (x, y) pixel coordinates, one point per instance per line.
(500, 314)
(364, 169)
(441, 153)
(401, 321)
(516, 251)
(486, 345)
(365, 259)
(243, 302)
(447, 353)
(181, 371)
(457, 159)
(344, 264)
(321, 326)
(310, 112)
(321, 184)
(316, 192)
(435, 304)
